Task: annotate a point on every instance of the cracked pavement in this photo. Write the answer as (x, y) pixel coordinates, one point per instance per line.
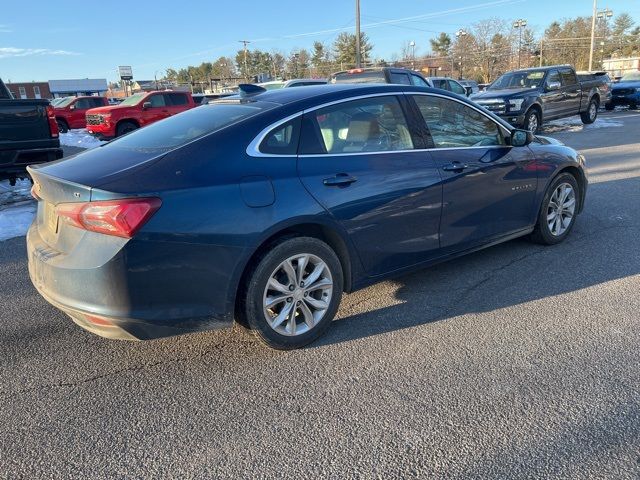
(519, 361)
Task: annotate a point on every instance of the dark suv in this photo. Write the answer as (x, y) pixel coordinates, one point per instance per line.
(402, 76)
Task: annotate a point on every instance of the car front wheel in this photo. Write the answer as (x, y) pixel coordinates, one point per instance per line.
(558, 211)
(293, 293)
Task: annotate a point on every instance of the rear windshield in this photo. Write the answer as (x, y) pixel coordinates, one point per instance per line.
(362, 77)
(189, 125)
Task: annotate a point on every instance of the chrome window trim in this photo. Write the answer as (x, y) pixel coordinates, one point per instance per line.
(253, 148)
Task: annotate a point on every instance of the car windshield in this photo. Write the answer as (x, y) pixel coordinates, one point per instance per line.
(523, 79)
(65, 101)
(133, 99)
(189, 125)
(631, 77)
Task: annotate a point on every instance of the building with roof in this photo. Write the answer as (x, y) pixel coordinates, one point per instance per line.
(30, 90)
(77, 87)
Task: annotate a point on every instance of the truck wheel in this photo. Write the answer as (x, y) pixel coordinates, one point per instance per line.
(125, 127)
(532, 121)
(592, 112)
(62, 126)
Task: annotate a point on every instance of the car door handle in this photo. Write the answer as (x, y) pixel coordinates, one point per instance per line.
(339, 180)
(455, 167)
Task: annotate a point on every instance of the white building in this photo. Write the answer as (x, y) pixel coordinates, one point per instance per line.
(619, 66)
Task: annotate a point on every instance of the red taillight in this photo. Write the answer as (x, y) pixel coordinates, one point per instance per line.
(122, 218)
(53, 125)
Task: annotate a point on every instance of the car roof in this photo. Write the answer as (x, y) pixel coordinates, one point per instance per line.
(315, 94)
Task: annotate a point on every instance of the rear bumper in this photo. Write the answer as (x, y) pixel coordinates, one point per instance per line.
(14, 163)
(118, 299)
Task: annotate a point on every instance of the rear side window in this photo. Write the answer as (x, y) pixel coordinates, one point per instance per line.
(568, 77)
(418, 81)
(454, 124)
(97, 102)
(282, 140)
(400, 78)
(189, 125)
(441, 84)
(373, 124)
(176, 99)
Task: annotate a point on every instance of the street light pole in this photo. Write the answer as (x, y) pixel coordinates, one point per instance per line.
(519, 24)
(412, 44)
(358, 56)
(246, 73)
(593, 32)
(459, 34)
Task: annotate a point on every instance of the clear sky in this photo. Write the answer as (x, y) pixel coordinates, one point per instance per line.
(44, 40)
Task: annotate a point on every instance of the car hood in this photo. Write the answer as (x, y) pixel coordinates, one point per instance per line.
(629, 84)
(110, 109)
(504, 93)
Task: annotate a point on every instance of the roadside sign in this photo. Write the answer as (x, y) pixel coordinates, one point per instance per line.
(125, 72)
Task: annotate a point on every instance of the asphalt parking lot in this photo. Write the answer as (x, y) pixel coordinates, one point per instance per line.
(519, 361)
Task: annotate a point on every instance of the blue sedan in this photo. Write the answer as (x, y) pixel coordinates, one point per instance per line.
(265, 207)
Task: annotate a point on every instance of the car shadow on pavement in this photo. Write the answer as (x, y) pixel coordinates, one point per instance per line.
(601, 248)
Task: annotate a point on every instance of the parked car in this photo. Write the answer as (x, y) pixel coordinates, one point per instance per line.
(137, 111)
(526, 98)
(296, 82)
(446, 83)
(626, 92)
(28, 135)
(204, 98)
(266, 206)
(402, 76)
(602, 81)
(71, 111)
(471, 86)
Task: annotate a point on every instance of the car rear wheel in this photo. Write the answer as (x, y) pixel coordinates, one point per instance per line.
(62, 126)
(592, 112)
(293, 293)
(558, 211)
(125, 127)
(532, 121)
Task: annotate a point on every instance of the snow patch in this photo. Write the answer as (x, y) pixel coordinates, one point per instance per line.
(80, 138)
(17, 209)
(576, 125)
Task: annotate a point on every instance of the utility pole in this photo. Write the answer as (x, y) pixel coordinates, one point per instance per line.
(246, 73)
(541, 51)
(597, 15)
(412, 44)
(519, 24)
(358, 57)
(459, 35)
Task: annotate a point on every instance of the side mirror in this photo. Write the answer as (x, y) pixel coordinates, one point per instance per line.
(72, 107)
(520, 138)
(146, 105)
(553, 86)
(468, 90)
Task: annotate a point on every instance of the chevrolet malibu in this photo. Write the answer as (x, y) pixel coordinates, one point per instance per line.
(265, 207)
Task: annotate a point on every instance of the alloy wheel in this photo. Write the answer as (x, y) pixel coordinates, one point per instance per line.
(532, 123)
(593, 111)
(561, 209)
(297, 294)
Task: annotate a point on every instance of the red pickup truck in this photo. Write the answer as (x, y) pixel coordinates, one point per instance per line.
(70, 111)
(136, 111)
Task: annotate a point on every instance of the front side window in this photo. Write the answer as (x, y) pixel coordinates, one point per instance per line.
(553, 77)
(83, 104)
(373, 124)
(157, 100)
(453, 124)
(441, 84)
(455, 87)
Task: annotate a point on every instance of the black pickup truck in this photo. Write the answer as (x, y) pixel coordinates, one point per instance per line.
(526, 98)
(28, 135)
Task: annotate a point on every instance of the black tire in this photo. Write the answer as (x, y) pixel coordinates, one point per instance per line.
(251, 305)
(608, 107)
(542, 233)
(125, 127)
(633, 106)
(63, 127)
(591, 114)
(529, 118)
